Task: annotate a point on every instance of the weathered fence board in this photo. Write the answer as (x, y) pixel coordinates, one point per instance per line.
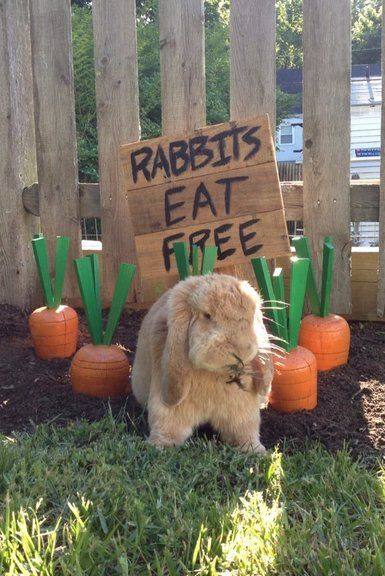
(326, 49)
(55, 125)
(381, 271)
(252, 59)
(115, 53)
(181, 37)
(17, 158)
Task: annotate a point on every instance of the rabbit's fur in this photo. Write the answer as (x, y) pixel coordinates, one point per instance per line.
(192, 363)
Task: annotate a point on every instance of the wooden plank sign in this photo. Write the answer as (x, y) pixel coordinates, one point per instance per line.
(218, 185)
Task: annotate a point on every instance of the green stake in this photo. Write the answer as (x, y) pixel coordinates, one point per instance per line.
(62, 248)
(182, 262)
(302, 248)
(85, 276)
(262, 274)
(195, 259)
(298, 281)
(122, 286)
(327, 276)
(208, 259)
(94, 259)
(40, 251)
(279, 292)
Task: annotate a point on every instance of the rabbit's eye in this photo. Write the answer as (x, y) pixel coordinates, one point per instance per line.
(207, 315)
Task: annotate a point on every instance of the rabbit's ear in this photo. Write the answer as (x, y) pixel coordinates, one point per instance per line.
(175, 362)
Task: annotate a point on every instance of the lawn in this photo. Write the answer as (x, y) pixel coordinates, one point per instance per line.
(91, 498)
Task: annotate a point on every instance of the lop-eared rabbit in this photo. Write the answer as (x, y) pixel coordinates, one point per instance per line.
(203, 356)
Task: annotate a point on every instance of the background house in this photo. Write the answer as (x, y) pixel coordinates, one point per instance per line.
(365, 135)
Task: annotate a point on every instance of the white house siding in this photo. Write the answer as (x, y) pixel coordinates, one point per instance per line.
(365, 135)
(290, 152)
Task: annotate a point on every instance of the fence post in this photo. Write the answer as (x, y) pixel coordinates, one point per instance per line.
(116, 67)
(55, 126)
(327, 68)
(18, 279)
(252, 59)
(381, 243)
(182, 63)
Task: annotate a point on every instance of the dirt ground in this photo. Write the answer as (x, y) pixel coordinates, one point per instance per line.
(351, 400)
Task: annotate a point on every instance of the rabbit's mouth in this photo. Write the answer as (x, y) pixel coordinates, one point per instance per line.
(236, 372)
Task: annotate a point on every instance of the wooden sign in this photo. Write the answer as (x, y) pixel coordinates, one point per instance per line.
(218, 185)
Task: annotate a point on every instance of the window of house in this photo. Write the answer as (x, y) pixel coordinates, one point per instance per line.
(286, 135)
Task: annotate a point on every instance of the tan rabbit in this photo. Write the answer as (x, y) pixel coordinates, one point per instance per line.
(193, 362)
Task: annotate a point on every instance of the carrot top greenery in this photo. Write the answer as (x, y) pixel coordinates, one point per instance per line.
(52, 290)
(209, 256)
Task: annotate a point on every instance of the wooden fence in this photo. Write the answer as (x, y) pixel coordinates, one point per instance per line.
(38, 134)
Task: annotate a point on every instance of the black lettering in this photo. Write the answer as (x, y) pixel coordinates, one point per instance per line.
(220, 138)
(199, 238)
(228, 182)
(198, 148)
(168, 207)
(160, 161)
(167, 248)
(142, 165)
(178, 151)
(222, 254)
(248, 138)
(198, 203)
(235, 132)
(248, 251)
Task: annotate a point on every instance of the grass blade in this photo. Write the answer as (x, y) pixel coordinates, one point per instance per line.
(182, 261)
(208, 259)
(123, 284)
(84, 274)
(279, 291)
(40, 251)
(302, 248)
(298, 282)
(327, 276)
(61, 255)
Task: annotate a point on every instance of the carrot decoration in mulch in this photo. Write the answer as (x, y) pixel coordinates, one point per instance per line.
(294, 385)
(53, 327)
(101, 369)
(326, 335)
(209, 256)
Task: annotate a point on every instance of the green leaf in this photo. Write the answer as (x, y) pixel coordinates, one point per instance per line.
(262, 275)
(302, 249)
(279, 291)
(298, 281)
(195, 259)
(182, 262)
(122, 286)
(327, 275)
(85, 277)
(208, 259)
(61, 255)
(40, 251)
(94, 259)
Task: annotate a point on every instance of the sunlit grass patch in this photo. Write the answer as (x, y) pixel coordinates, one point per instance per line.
(93, 499)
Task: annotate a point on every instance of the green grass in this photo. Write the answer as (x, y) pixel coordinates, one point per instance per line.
(91, 499)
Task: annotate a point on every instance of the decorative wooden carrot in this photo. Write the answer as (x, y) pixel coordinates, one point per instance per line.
(101, 369)
(209, 257)
(294, 385)
(53, 327)
(326, 335)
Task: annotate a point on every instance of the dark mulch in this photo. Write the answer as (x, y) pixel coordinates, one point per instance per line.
(351, 404)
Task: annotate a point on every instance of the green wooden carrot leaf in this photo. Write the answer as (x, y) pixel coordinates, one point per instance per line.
(262, 274)
(40, 251)
(122, 286)
(94, 259)
(327, 276)
(279, 292)
(302, 248)
(298, 282)
(208, 259)
(182, 262)
(61, 254)
(85, 277)
(195, 260)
